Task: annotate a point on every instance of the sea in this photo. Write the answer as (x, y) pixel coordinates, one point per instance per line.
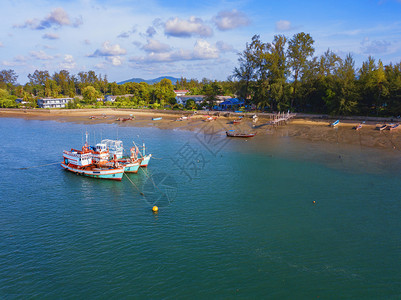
(271, 217)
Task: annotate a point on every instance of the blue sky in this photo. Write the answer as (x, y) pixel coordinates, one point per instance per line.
(194, 39)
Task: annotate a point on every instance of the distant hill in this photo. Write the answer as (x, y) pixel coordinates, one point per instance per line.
(150, 81)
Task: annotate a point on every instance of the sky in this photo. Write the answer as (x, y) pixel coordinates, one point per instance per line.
(194, 39)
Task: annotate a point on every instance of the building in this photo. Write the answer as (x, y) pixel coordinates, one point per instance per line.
(111, 98)
(231, 104)
(183, 99)
(180, 92)
(53, 102)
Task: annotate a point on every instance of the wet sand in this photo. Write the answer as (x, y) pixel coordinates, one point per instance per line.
(307, 128)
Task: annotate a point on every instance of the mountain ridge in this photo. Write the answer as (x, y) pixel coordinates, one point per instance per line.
(151, 81)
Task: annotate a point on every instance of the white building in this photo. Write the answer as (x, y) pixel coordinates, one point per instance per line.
(183, 99)
(53, 102)
(112, 98)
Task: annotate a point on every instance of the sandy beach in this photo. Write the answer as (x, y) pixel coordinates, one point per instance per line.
(307, 127)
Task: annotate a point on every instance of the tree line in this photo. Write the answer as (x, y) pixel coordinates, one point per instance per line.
(88, 88)
(272, 76)
(285, 75)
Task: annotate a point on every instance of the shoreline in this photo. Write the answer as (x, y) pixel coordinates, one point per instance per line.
(313, 128)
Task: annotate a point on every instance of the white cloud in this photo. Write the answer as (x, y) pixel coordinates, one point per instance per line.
(283, 25)
(50, 36)
(57, 17)
(68, 62)
(202, 51)
(187, 28)
(226, 20)
(156, 46)
(41, 55)
(109, 50)
(115, 60)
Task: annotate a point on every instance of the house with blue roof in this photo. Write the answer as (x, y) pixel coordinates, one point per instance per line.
(231, 103)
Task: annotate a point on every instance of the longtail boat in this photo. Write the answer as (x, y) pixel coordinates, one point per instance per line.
(381, 127)
(231, 133)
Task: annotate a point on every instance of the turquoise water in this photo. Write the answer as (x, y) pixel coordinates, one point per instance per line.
(237, 221)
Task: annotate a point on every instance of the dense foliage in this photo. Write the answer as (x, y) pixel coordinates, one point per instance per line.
(277, 76)
(285, 75)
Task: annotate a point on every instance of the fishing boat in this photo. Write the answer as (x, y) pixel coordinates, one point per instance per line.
(80, 162)
(115, 147)
(145, 157)
(157, 119)
(232, 133)
(393, 126)
(334, 124)
(130, 163)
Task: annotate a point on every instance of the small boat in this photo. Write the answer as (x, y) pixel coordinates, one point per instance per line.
(381, 127)
(231, 133)
(183, 118)
(255, 118)
(334, 124)
(210, 118)
(393, 126)
(358, 127)
(237, 121)
(157, 119)
(126, 119)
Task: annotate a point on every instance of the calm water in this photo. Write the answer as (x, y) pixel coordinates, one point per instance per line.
(236, 218)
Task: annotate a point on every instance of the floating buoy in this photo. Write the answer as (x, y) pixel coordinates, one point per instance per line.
(155, 209)
(314, 202)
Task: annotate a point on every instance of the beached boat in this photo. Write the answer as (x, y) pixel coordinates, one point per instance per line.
(381, 127)
(237, 121)
(393, 126)
(80, 162)
(334, 124)
(183, 118)
(157, 119)
(358, 127)
(210, 118)
(232, 133)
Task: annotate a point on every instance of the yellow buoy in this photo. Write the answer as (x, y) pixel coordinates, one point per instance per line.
(155, 208)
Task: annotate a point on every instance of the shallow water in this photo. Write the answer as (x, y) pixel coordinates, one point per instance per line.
(236, 218)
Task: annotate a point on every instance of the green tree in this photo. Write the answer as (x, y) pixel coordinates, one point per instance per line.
(90, 94)
(300, 48)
